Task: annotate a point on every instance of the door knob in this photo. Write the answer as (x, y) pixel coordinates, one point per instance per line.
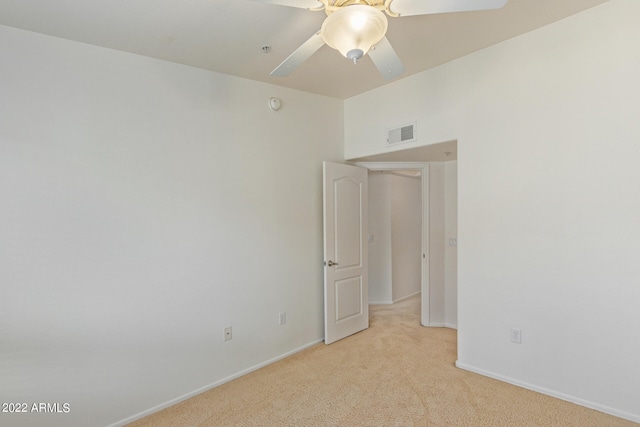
(331, 263)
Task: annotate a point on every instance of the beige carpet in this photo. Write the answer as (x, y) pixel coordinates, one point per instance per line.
(396, 373)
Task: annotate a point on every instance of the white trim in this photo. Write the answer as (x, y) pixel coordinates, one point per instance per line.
(442, 325)
(211, 386)
(388, 302)
(406, 297)
(424, 168)
(553, 393)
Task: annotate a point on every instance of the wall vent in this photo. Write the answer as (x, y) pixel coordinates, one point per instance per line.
(402, 134)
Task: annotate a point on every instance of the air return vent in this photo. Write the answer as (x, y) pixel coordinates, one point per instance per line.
(402, 134)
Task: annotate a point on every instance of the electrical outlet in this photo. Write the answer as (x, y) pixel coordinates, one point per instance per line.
(282, 318)
(228, 335)
(516, 336)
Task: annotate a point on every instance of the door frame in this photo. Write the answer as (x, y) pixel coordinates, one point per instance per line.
(424, 168)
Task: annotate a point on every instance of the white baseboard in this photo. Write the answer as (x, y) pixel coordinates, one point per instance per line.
(407, 297)
(553, 393)
(386, 302)
(442, 325)
(210, 386)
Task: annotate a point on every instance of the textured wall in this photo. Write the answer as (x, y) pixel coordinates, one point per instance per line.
(144, 207)
(548, 231)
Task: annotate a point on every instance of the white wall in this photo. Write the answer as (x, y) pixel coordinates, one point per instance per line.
(548, 225)
(437, 313)
(443, 281)
(451, 250)
(406, 236)
(144, 207)
(380, 268)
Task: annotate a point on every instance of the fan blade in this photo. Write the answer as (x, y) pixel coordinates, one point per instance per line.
(302, 4)
(386, 60)
(299, 55)
(426, 7)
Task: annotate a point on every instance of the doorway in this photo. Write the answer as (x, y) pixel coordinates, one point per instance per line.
(421, 172)
(394, 235)
(439, 234)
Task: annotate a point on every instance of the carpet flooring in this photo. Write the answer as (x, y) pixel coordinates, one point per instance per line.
(396, 373)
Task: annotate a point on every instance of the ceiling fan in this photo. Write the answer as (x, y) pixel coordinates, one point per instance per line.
(358, 27)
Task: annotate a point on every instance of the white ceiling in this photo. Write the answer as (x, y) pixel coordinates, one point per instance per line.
(227, 35)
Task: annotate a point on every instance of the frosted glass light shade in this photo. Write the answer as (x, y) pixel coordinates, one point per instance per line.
(352, 30)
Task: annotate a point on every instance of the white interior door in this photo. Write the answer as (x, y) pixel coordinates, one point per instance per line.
(346, 293)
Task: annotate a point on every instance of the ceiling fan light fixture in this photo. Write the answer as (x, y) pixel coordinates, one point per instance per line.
(352, 30)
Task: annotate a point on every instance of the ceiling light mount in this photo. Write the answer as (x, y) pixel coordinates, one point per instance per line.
(355, 54)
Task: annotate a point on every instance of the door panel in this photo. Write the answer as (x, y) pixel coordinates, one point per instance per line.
(345, 227)
(348, 298)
